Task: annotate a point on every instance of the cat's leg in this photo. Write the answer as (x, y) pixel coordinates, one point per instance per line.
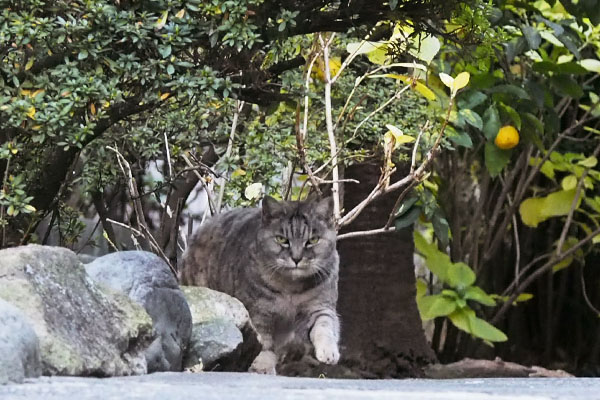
(324, 335)
(266, 361)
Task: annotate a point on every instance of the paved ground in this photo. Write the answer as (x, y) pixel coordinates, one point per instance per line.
(208, 386)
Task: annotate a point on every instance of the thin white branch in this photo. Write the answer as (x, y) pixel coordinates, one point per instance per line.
(335, 187)
(306, 100)
(396, 96)
(365, 233)
(238, 109)
(168, 155)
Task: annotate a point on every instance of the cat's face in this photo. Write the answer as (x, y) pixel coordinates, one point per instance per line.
(297, 238)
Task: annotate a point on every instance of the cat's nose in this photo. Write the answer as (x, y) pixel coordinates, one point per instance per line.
(297, 258)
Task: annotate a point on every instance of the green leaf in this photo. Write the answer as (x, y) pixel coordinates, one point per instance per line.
(589, 162)
(512, 90)
(523, 297)
(440, 228)
(460, 275)
(434, 306)
(591, 65)
(170, 69)
(472, 118)
(532, 129)
(83, 54)
(567, 86)
(477, 294)
(513, 115)
(450, 293)
(438, 262)
(165, 51)
(532, 36)
(569, 182)
(426, 48)
(460, 81)
(548, 169)
(471, 99)
(406, 205)
(495, 159)
(421, 288)
(491, 122)
(446, 80)
(486, 331)
(535, 210)
(407, 219)
(364, 47)
(459, 138)
(465, 319)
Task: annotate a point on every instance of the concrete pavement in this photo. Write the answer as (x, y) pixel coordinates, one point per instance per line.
(215, 385)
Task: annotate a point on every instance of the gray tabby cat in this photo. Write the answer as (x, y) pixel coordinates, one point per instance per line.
(281, 263)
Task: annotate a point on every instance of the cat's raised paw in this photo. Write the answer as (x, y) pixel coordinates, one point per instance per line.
(264, 363)
(328, 354)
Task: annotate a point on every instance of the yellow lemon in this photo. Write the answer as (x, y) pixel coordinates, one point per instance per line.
(507, 137)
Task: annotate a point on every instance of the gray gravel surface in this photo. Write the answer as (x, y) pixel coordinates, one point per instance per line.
(207, 386)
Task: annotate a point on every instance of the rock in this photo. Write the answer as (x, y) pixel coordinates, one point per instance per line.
(82, 328)
(216, 344)
(147, 280)
(214, 313)
(19, 346)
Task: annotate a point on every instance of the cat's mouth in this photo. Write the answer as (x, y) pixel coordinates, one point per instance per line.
(301, 269)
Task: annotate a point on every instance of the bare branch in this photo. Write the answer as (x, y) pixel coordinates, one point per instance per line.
(365, 233)
(238, 109)
(335, 187)
(540, 271)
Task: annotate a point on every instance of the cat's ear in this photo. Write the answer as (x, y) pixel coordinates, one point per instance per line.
(271, 208)
(324, 207)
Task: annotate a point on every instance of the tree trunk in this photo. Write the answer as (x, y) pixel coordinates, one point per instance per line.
(381, 327)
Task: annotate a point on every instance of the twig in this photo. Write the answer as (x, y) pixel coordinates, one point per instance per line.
(563, 234)
(584, 292)
(543, 269)
(418, 174)
(238, 109)
(413, 159)
(5, 189)
(211, 204)
(302, 155)
(146, 235)
(396, 96)
(131, 183)
(307, 89)
(168, 155)
(365, 233)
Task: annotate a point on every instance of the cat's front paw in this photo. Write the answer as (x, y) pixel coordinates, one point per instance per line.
(264, 363)
(328, 353)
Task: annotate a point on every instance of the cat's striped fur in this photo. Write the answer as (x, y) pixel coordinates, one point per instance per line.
(281, 262)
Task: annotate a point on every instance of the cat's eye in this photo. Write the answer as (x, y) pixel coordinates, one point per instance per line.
(282, 240)
(313, 240)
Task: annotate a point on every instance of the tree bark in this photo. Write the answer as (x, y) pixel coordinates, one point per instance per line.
(381, 326)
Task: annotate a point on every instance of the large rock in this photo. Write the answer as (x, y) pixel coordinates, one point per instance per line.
(83, 329)
(148, 280)
(19, 346)
(223, 337)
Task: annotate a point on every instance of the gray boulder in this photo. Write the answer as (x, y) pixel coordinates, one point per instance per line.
(19, 346)
(147, 280)
(223, 337)
(83, 329)
(217, 345)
